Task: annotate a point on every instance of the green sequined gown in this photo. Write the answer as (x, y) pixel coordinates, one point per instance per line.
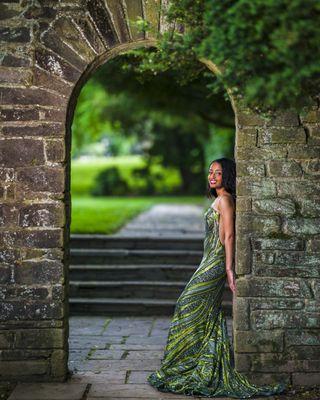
(198, 358)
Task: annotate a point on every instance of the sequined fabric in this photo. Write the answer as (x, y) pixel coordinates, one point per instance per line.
(198, 357)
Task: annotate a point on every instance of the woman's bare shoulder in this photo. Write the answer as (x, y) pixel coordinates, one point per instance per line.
(226, 201)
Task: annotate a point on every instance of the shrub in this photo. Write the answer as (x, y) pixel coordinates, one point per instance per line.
(110, 182)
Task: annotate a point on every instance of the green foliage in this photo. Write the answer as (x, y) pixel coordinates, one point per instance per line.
(110, 182)
(88, 177)
(171, 121)
(89, 122)
(267, 50)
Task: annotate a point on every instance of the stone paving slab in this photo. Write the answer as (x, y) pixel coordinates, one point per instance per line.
(109, 358)
(48, 391)
(177, 220)
(142, 391)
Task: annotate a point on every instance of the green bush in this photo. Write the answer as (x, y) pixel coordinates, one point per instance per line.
(109, 182)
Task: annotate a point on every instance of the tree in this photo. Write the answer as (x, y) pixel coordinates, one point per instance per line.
(267, 50)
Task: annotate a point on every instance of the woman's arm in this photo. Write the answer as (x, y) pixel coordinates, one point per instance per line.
(227, 221)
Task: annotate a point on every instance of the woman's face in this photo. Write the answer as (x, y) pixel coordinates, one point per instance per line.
(215, 176)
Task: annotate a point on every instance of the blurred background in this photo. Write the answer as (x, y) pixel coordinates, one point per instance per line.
(146, 137)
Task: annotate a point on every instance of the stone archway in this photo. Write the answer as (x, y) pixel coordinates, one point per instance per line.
(50, 51)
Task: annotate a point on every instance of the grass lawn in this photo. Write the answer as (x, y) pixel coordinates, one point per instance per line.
(109, 214)
(84, 172)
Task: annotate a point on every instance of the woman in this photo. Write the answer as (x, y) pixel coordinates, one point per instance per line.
(198, 358)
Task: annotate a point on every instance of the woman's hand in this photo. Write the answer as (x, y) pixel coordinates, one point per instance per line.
(231, 280)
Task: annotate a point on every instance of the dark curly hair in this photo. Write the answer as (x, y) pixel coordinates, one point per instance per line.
(228, 177)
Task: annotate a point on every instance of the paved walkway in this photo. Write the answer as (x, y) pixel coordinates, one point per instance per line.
(110, 358)
(167, 220)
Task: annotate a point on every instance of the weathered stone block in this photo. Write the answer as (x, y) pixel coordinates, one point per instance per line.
(31, 96)
(310, 116)
(313, 245)
(246, 137)
(18, 77)
(312, 305)
(14, 369)
(265, 153)
(284, 168)
(88, 30)
(250, 342)
(40, 338)
(268, 287)
(59, 363)
(310, 207)
(281, 135)
(277, 244)
(26, 293)
(243, 204)
(314, 135)
(59, 292)
(6, 340)
(311, 167)
(302, 226)
(284, 319)
(276, 304)
(42, 215)
(13, 60)
(249, 119)
(32, 238)
(31, 310)
(289, 188)
(23, 114)
(305, 378)
(16, 35)
(36, 129)
(241, 315)
(47, 80)
(303, 152)
(287, 270)
(274, 206)
(242, 362)
(260, 188)
(271, 362)
(297, 258)
(8, 215)
(5, 274)
(250, 169)
(298, 337)
(305, 352)
(7, 174)
(242, 254)
(42, 179)
(39, 271)
(268, 378)
(248, 224)
(99, 14)
(21, 152)
(55, 150)
(68, 32)
(284, 118)
(52, 63)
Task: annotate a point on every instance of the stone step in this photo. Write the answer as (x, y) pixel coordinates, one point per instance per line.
(144, 272)
(127, 256)
(82, 241)
(128, 307)
(132, 289)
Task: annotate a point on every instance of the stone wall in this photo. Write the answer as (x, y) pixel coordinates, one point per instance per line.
(51, 48)
(277, 315)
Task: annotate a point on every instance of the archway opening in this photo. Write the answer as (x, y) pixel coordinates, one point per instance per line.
(170, 133)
